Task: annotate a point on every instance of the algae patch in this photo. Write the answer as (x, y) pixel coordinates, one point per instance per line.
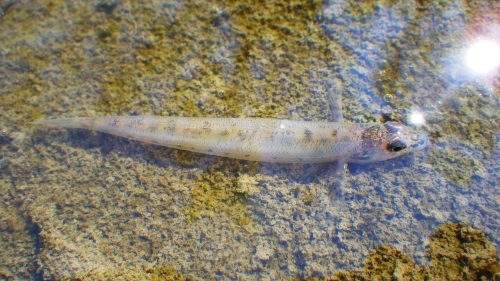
(218, 193)
(470, 125)
(456, 252)
(219, 59)
(460, 252)
(148, 273)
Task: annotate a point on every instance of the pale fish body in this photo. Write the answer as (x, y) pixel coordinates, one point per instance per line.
(260, 139)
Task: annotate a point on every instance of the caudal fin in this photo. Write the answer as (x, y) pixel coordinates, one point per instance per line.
(66, 122)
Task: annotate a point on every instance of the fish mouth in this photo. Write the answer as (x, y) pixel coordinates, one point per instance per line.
(421, 142)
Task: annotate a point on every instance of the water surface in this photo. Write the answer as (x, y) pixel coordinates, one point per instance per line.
(75, 202)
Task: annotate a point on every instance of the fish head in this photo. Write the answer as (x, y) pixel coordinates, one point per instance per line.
(387, 141)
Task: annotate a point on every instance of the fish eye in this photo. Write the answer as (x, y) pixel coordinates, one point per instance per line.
(396, 146)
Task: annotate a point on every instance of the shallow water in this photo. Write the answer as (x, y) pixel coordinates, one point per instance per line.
(75, 203)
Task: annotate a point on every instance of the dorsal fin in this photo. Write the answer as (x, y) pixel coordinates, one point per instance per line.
(334, 96)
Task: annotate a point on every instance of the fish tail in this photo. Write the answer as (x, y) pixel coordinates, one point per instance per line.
(76, 123)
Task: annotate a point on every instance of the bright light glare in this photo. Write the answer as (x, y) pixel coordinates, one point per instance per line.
(416, 118)
(483, 56)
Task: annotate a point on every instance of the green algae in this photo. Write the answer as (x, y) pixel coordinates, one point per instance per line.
(283, 26)
(471, 117)
(152, 54)
(471, 121)
(147, 274)
(30, 66)
(229, 96)
(456, 252)
(21, 99)
(218, 193)
(459, 170)
(309, 195)
(385, 263)
(459, 114)
(16, 257)
(460, 252)
(367, 8)
(272, 46)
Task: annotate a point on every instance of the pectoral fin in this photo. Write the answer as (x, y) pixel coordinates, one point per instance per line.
(337, 175)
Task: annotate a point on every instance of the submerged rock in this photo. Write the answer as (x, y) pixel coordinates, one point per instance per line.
(456, 252)
(460, 252)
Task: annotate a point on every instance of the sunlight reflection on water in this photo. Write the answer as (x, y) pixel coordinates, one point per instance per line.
(483, 57)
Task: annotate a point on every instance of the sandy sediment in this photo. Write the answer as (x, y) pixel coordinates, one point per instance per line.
(75, 202)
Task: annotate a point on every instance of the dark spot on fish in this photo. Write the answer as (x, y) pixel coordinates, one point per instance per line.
(308, 135)
(334, 133)
(171, 127)
(206, 127)
(345, 139)
(275, 158)
(226, 154)
(210, 150)
(323, 141)
(114, 122)
(153, 128)
(224, 133)
(247, 155)
(139, 121)
(242, 134)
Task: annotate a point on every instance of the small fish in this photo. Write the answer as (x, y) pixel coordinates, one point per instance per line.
(260, 139)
